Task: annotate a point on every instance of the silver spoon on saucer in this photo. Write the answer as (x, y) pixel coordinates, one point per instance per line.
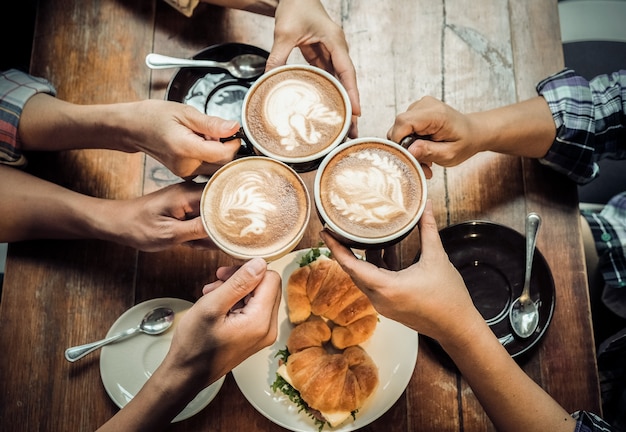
(243, 66)
(154, 322)
(524, 314)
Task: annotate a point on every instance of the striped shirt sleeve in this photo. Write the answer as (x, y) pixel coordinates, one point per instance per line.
(16, 88)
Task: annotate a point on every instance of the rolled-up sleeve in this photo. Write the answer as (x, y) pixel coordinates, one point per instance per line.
(16, 88)
(590, 121)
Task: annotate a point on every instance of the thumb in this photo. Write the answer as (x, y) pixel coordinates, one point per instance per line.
(429, 234)
(210, 126)
(240, 284)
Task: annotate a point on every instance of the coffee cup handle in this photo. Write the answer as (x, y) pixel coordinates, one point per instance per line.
(410, 139)
(246, 148)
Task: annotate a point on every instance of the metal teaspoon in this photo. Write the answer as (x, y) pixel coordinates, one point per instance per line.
(243, 66)
(524, 315)
(154, 322)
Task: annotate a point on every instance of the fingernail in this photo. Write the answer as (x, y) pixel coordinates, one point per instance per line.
(256, 266)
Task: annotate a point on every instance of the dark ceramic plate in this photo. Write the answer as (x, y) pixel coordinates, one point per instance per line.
(213, 91)
(491, 259)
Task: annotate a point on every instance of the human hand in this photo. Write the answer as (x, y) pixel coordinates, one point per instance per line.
(157, 221)
(209, 340)
(448, 136)
(182, 138)
(307, 25)
(429, 296)
(236, 316)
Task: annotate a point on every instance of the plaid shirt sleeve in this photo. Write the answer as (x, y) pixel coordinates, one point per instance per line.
(16, 88)
(589, 422)
(590, 118)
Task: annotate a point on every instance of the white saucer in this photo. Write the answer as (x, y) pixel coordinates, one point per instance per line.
(126, 366)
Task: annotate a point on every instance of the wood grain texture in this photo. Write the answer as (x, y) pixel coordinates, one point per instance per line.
(474, 58)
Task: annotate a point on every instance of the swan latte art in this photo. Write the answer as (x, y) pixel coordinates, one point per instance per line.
(255, 206)
(370, 192)
(296, 113)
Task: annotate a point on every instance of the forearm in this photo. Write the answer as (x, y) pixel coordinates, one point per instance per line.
(33, 208)
(512, 400)
(161, 398)
(523, 129)
(51, 124)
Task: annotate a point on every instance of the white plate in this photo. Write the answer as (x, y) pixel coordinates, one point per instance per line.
(393, 347)
(125, 366)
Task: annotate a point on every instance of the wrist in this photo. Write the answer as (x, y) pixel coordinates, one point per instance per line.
(463, 333)
(523, 129)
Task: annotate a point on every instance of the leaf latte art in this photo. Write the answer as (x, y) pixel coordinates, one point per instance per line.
(369, 190)
(373, 195)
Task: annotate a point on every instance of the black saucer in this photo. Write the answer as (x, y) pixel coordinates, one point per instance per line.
(213, 91)
(491, 260)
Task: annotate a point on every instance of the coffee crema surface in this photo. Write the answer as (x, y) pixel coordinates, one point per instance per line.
(296, 113)
(255, 206)
(371, 190)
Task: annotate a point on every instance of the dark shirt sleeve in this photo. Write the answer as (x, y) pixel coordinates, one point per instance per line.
(590, 119)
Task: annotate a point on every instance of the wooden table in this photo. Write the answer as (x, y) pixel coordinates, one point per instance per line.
(473, 55)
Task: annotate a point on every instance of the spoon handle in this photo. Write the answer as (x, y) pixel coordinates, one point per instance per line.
(158, 61)
(533, 222)
(80, 351)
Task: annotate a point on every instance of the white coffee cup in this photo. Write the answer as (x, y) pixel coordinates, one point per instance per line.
(296, 114)
(370, 192)
(255, 207)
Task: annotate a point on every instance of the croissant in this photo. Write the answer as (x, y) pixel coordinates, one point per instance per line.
(323, 289)
(335, 384)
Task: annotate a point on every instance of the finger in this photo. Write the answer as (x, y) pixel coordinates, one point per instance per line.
(267, 294)
(280, 52)
(240, 284)
(353, 132)
(210, 126)
(428, 172)
(211, 287)
(275, 308)
(189, 230)
(429, 234)
(344, 68)
(223, 273)
(363, 273)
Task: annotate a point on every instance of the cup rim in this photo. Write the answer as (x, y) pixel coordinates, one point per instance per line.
(274, 254)
(364, 240)
(295, 160)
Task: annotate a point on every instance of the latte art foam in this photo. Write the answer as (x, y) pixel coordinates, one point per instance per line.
(371, 191)
(295, 113)
(245, 212)
(255, 207)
